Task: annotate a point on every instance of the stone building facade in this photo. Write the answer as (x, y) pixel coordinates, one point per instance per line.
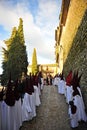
(71, 44)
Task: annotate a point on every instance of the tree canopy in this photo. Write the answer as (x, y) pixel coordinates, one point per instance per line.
(15, 56)
(34, 62)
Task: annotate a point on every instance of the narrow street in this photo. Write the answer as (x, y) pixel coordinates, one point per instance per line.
(52, 114)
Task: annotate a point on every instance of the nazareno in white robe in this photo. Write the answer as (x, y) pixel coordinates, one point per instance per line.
(37, 97)
(61, 87)
(32, 105)
(26, 108)
(39, 88)
(80, 108)
(56, 81)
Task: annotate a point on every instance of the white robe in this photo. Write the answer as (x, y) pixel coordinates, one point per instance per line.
(8, 117)
(56, 81)
(32, 105)
(26, 108)
(11, 118)
(39, 89)
(61, 87)
(65, 90)
(42, 83)
(4, 116)
(69, 92)
(18, 113)
(80, 108)
(37, 97)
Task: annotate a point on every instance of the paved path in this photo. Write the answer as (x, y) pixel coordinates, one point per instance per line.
(52, 114)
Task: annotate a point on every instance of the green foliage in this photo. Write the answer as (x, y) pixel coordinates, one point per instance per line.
(20, 31)
(15, 58)
(34, 62)
(9, 41)
(5, 54)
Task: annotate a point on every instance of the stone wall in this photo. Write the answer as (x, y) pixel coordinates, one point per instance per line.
(77, 56)
(74, 17)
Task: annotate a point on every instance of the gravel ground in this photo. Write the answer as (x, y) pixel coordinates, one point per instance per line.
(52, 114)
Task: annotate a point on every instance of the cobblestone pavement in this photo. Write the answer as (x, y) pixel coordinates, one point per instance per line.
(52, 114)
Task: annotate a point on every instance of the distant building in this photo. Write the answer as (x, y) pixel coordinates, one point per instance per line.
(46, 69)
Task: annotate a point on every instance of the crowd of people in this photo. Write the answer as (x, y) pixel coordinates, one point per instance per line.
(70, 88)
(19, 101)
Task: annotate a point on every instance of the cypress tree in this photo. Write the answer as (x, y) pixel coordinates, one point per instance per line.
(16, 55)
(34, 62)
(17, 58)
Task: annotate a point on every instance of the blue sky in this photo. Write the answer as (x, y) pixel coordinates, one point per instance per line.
(40, 19)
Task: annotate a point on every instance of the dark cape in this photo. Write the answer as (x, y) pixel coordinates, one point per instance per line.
(1, 95)
(10, 96)
(16, 92)
(73, 109)
(29, 85)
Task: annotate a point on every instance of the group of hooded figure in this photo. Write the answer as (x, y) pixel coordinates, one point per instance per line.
(70, 87)
(19, 101)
